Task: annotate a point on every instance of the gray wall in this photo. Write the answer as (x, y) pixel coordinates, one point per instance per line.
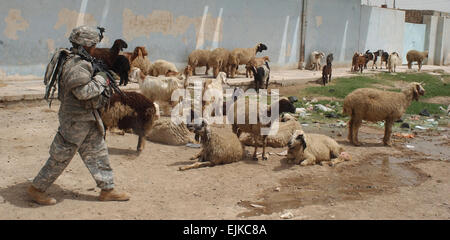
(170, 29)
(430, 36)
(414, 38)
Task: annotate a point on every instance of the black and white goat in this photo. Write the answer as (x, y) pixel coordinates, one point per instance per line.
(261, 74)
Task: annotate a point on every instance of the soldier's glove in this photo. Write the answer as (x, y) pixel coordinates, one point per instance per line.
(107, 80)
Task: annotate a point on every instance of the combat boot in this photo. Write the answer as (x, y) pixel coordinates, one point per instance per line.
(113, 195)
(40, 197)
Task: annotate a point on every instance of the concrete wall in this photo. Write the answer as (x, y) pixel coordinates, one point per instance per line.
(414, 38)
(430, 36)
(381, 29)
(333, 27)
(446, 43)
(31, 29)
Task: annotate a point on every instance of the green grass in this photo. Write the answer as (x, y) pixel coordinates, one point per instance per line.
(341, 87)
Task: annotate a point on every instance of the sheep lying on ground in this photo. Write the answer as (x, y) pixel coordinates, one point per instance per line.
(162, 67)
(140, 50)
(158, 89)
(377, 105)
(255, 62)
(218, 60)
(241, 56)
(131, 111)
(393, 60)
(288, 125)
(308, 149)
(284, 105)
(316, 58)
(167, 132)
(219, 146)
(199, 58)
(109, 55)
(416, 56)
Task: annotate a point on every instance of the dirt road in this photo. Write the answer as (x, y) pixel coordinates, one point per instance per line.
(379, 183)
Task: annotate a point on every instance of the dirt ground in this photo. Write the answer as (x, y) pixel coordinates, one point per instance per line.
(379, 183)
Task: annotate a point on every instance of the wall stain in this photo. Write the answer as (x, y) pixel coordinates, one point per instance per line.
(164, 22)
(15, 22)
(69, 18)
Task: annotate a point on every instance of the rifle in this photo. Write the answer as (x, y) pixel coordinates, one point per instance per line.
(99, 66)
(55, 74)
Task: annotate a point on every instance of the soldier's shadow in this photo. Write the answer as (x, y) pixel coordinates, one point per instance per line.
(17, 195)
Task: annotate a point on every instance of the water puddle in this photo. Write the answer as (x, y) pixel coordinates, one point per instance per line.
(380, 175)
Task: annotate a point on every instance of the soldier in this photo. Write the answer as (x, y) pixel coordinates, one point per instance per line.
(81, 130)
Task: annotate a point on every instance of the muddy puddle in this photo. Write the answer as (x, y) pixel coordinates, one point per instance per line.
(380, 175)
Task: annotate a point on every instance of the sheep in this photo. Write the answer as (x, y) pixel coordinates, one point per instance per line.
(377, 105)
(162, 67)
(261, 74)
(241, 56)
(208, 85)
(139, 50)
(255, 62)
(142, 62)
(308, 149)
(199, 58)
(219, 146)
(109, 55)
(416, 56)
(167, 132)
(316, 58)
(255, 129)
(358, 62)
(131, 110)
(327, 69)
(288, 125)
(218, 60)
(393, 60)
(158, 89)
(122, 67)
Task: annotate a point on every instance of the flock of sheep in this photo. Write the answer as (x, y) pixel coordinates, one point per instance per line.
(224, 144)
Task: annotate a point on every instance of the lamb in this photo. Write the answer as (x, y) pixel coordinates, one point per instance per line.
(208, 105)
(416, 56)
(316, 58)
(158, 89)
(255, 129)
(241, 56)
(122, 67)
(377, 105)
(255, 62)
(131, 111)
(218, 60)
(261, 74)
(288, 125)
(109, 55)
(326, 71)
(393, 60)
(219, 146)
(308, 149)
(162, 67)
(165, 131)
(139, 50)
(199, 58)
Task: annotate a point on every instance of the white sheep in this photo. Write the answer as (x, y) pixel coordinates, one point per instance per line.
(377, 105)
(393, 61)
(219, 146)
(167, 132)
(159, 89)
(316, 58)
(162, 67)
(308, 149)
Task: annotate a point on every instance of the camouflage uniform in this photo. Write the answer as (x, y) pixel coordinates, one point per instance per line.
(78, 130)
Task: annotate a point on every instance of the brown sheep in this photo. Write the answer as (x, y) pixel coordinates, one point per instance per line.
(241, 56)
(199, 58)
(140, 50)
(377, 105)
(255, 62)
(142, 62)
(358, 62)
(131, 111)
(109, 55)
(416, 56)
(218, 60)
(219, 146)
(308, 149)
